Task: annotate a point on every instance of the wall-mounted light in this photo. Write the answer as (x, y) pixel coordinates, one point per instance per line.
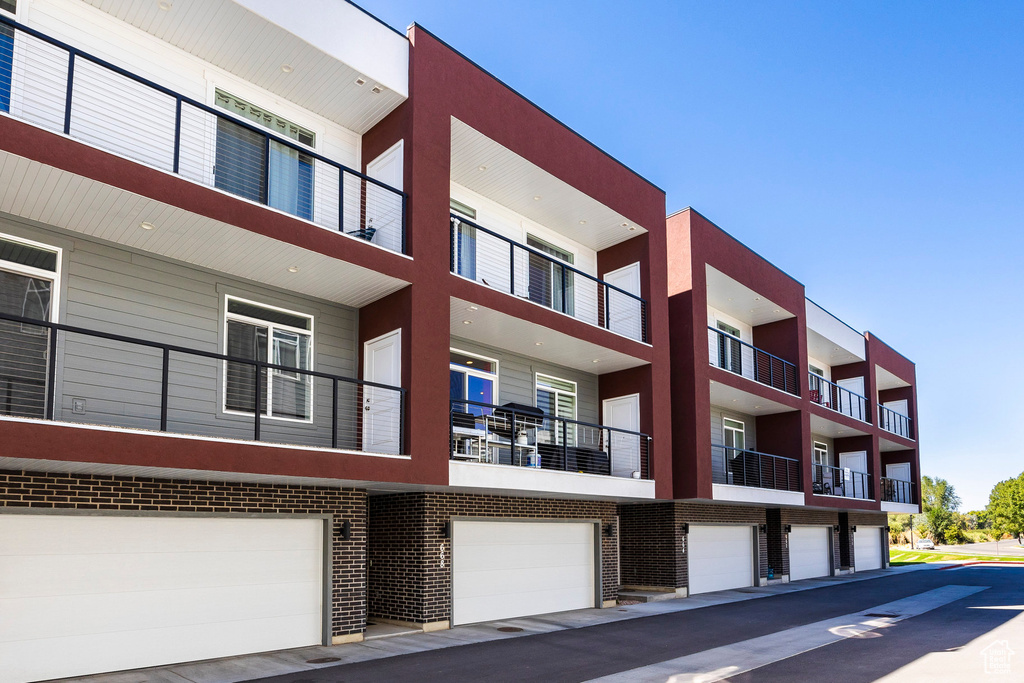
(836, 528)
(762, 528)
(609, 530)
(887, 529)
(446, 530)
(787, 528)
(686, 528)
(345, 530)
(853, 529)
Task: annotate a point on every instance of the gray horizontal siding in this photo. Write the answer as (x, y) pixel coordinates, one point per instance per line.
(516, 375)
(749, 431)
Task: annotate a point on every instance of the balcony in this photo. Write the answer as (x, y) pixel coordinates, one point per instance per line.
(68, 374)
(523, 436)
(741, 467)
(55, 86)
(894, 422)
(484, 256)
(836, 398)
(897, 491)
(842, 482)
(734, 355)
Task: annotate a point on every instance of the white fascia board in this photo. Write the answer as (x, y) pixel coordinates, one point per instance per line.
(900, 508)
(511, 480)
(749, 494)
(345, 32)
(835, 330)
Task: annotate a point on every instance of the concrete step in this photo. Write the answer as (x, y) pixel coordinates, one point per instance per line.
(646, 596)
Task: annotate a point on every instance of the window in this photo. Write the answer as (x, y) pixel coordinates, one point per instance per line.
(729, 349)
(465, 241)
(557, 398)
(28, 278)
(473, 378)
(6, 62)
(9, 6)
(733, 436)
(284, 180)
(820, 453)
(276, 336)
(550, 283)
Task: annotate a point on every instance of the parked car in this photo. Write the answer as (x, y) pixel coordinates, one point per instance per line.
(925, 544)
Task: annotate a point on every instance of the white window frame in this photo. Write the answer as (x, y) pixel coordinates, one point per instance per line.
(271, 327)
(473, 371)
(557, 392)
(19, 8)
(819, 448)
(247, 92)
(742, 429)
(38, 273)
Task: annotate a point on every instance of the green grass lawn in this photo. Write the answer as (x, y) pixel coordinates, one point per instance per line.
(898, 558)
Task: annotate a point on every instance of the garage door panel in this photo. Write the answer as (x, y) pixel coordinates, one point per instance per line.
(109, 592)
(720, 557)
(809, 555)
(867, 548)
(503, 570)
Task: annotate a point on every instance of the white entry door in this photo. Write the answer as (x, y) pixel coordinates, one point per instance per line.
(720, 557)
(851, 403)
(900, 472)
(855, 485)
(383, 207)
(867, 548)
(624, 449)
(382, 408)
(87, 594)
(897, 424)
(624, 312)
(809, 554)
(502, 570)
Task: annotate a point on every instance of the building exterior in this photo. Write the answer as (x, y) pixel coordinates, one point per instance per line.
(793, 434)
(241, 250)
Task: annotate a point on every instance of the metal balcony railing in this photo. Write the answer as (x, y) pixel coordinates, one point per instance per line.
(484, 256)
(737, 356)
(838, 481)
(834, 397)
(897, 491)
(57, 372)
(502, 435)
(58, 87)
(893, 422)
(743, 467)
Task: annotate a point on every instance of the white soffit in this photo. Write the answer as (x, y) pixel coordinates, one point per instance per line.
(327, 44)
(886, 446)
(504, 331)
(834, 430)
(731, 398)
(514, 182)
(830, 339)
(886, 380)
(50, 196)
(741, 302)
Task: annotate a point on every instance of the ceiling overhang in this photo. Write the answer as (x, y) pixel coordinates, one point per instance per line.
(741, 302)
(887, 380)
(832, 341)
(834, 430)
(731, 398)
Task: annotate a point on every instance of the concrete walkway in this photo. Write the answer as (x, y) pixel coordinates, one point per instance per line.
(247, 667)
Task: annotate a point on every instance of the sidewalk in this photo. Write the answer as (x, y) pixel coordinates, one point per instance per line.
(247, 667)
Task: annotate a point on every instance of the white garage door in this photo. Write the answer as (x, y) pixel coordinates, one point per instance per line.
(720, 557)
(808, 552)
(867, 548)
(502, 570)
(81, 595)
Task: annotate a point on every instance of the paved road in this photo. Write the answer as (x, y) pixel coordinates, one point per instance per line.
(1004, 547)
(959, 611)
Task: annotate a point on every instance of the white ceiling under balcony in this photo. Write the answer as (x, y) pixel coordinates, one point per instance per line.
(327, 46)
(496, 172)
(741, 302)
(834, 430)
(731, 398)
(52, 197)
(503, 331)
(831, 340)
(887, 380)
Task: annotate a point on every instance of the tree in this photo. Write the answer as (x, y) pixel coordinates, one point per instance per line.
(1006, 507)
(940, 503)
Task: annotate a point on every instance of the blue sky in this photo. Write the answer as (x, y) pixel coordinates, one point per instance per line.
(872, 150)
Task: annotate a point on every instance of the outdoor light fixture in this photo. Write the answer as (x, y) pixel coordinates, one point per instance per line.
(836, 528)
(287, 68)
(360, 81)
(345, 530)
(887, 529)
(853, 529)
(788, 528)
(609, 530)
(686, 528)
(146, 225)
(376, 90)
(763, 528)
(446, 530)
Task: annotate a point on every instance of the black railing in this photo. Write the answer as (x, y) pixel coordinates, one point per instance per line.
(897, 491)
(893, 422)
(742, 467)
(485, 256)
(115, 380)
(839, 481)
(500, 435)
(737, 356)
(57, 86)
(834, 397)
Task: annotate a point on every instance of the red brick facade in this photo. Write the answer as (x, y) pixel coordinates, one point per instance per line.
(141, 494)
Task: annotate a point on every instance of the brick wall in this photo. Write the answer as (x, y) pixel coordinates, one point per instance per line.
(134, 494)
(650, 543)
(409, 577)
(778, 550)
